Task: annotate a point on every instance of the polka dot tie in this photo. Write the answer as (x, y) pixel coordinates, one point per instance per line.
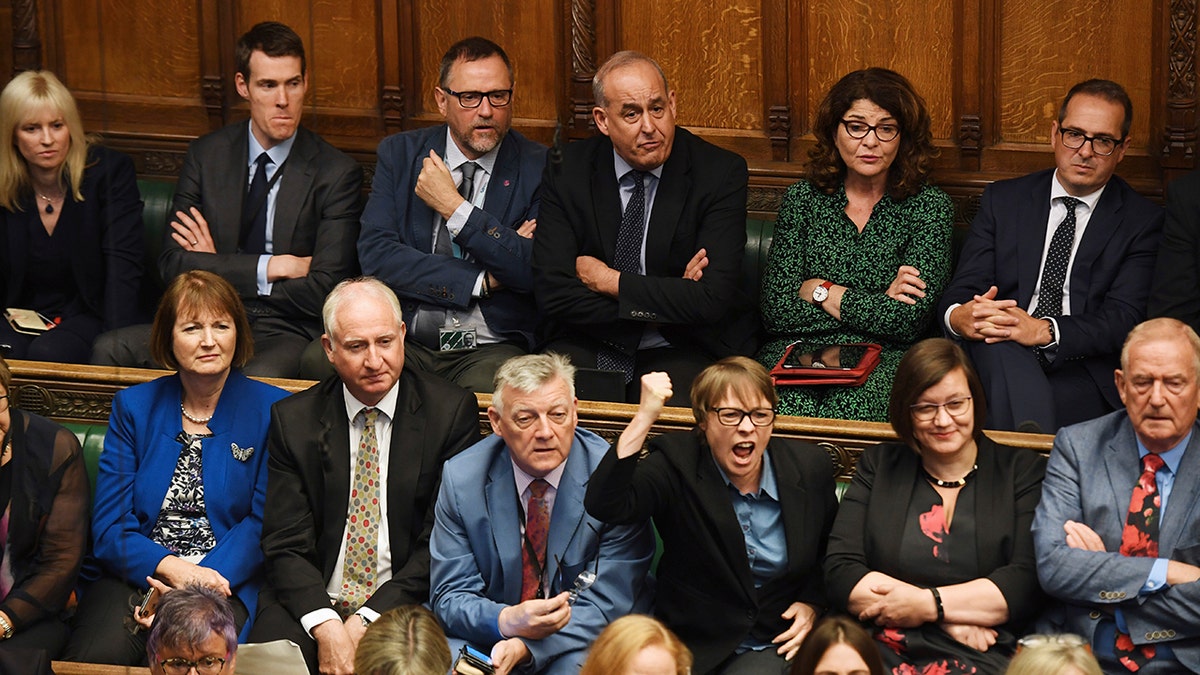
(1054, 272)
(362, 523)
(627, 258)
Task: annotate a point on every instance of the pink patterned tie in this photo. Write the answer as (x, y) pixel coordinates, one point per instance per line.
(362, 525)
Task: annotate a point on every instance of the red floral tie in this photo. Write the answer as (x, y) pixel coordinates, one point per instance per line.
(1140, 539)
(533, 548)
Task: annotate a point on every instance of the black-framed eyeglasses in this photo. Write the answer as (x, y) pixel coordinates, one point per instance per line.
(205, 665)
(927, 411)
(732, 417)
(473, 99)
(4, 405)
(1101, 145)
(884, 132)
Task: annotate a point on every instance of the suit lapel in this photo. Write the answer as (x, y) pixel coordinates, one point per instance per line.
(568, 516)
(1182, 507)
(606, 201)
(793, 507)
(230, 190)
(334, 447)
(1102, 225)
(669, 198)
(420, 216)
(502, 182)
(404, 467)
(1032, 217)
(501, 500)
(715, 500)
(295, 185)
(895, 483)
(1122, 467)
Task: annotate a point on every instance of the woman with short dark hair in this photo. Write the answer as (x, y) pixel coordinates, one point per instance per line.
(183, 476)
(932, 542)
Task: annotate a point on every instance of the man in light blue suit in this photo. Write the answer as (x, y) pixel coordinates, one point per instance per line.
(1128, 581)
(450, 221)
(500, 580)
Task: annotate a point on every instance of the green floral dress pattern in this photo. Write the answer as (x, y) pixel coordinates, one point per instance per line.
(815, 238)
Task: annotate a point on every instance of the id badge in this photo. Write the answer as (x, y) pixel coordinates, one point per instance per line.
(456, 338)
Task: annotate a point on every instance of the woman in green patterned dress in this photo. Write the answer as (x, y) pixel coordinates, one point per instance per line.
(862, 246)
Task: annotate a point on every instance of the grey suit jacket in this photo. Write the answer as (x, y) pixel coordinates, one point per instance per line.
(1089, 479)
(316, 214)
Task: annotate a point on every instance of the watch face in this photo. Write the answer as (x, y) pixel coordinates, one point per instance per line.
(820, 293)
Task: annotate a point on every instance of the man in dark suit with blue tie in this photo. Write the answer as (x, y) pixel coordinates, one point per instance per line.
(638, 256)
(450, 221)
(1056, 270)
(1117, 532)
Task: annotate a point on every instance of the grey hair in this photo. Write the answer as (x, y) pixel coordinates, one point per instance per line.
(529, 372)
(615, 62)
(369, 285)
(188, 616)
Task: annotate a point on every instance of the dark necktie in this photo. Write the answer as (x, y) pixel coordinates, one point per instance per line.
(627, 259)
(254, 214)
(445, 243)
(1054, 273)
(1140, 539)
(533, 548)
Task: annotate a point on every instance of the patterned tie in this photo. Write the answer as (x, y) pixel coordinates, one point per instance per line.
(445, 243)
(537, 526)
(1054, 273)
(254, 222)
(362, 525)
(627, 258)
(1140, 538)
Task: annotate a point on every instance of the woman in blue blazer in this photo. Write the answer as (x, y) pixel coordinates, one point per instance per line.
(183, 476)
(71, 235)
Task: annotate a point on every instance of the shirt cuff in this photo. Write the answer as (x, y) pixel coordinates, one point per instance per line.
(1157, 579)
(317, 617)
(946, 319)
(477, 291)
(367, 613)
(264, 286)
(458, 219)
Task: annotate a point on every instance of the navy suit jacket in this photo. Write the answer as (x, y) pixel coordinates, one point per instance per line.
(138, 462)
(1110, 280)
(309, 488)
(706, 588)
(316, 214)
(105, 234)
(700, 203)
(396, 243)
(1176, 290)
(1093, 468)
(476, 551)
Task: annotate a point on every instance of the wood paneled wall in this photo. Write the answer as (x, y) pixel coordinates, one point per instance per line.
(749, 74)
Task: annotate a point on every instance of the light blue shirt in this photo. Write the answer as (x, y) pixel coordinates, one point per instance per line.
(761, 519)
(278, 155)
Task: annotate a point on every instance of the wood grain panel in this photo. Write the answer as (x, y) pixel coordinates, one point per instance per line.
(711, 52)
(913, 37)
(1048, 45)
(530, 32)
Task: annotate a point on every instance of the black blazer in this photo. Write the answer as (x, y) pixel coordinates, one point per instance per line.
(308, 487)
(106, 235)
(866, 536)
(1176, 289)
(700, 203)
(1110, 280)
(316, 214)
(706, 589)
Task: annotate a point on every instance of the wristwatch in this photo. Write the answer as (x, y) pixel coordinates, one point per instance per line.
(6, 627)
(820, 293)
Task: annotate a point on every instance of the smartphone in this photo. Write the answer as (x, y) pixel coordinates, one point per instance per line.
(149, 604)
(824, 356)
(471, 661)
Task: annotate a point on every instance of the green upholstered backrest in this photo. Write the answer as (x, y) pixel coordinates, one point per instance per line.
(91, 438)
(157, 197)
